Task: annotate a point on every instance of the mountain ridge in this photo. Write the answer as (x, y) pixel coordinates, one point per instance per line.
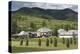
(63, 14)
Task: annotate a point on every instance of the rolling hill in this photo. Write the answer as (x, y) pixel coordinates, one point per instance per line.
(65, 14)
(31, 19)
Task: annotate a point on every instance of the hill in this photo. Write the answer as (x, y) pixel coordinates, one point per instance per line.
(65, 14)
(31, 19)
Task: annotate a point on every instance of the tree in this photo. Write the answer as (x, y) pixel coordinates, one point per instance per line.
(51, 41)
(13, 27)
(61, 26)
(74, 38)
(67, 43)
(39, 43)
(44, 24)
(55, 32)
(14, 24)
(27, 42)
(55, 42)
(32, 26)
(71, 40)
(63, 40)
(21, 42)
(47, 42)
(66, 27)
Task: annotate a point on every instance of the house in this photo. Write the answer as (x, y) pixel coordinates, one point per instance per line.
(25, 34)
(21, 34)
(44, 32)
(67, 34)
(61, 32)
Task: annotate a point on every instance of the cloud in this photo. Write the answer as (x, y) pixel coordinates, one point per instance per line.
(17, 5)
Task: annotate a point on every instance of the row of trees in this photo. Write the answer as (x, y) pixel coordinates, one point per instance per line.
(51, 41)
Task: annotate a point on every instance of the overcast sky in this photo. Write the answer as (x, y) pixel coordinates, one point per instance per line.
(17, 5)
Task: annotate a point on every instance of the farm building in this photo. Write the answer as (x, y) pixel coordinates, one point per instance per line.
(67, 34)
(21, 34)
(25, 34)
(44, 32)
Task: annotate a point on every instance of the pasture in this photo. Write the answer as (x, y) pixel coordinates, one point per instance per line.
(33, 44)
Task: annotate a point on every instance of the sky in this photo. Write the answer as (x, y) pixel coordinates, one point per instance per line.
(17, 5)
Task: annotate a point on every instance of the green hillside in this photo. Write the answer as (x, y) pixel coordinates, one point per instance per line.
(29, 20)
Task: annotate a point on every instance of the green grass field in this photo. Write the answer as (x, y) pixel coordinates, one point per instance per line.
(33, 45)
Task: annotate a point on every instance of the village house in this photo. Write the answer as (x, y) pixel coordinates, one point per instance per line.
(44, 32)
(67, 34)
(21, 34)
(25, 34)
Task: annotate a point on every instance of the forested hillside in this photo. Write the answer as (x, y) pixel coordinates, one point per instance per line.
(31, 19)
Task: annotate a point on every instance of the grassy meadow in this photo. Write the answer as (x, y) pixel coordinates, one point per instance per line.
(33, 45)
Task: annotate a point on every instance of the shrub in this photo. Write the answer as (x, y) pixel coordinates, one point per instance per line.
(21, 42)
(47, 42)
(55, 42)
(39, 43)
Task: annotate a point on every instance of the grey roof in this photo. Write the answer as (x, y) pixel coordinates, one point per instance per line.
(44, 29)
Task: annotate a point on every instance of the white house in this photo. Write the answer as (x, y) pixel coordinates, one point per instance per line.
(21, 34)
(25, 34)
(67, 34)
(44, 32)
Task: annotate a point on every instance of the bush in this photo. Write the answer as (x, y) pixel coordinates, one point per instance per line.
(27, 42)
(21, 42)
(51, 41)
(63, 40)
(67, 43)
(55, 42)
(39, 43)
(47, 42)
